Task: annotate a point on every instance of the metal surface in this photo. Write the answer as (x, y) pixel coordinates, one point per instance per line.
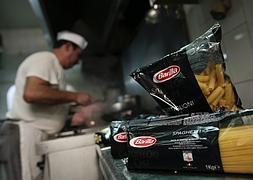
(42, 19)
(116, 169)
(125, 102)
(108, 25)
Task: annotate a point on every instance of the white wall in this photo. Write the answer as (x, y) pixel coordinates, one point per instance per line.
(17, 44)
(23, 41)
(237, 41)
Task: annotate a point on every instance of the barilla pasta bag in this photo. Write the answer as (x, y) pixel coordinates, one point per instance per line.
(208, 142)
(191, 79)
(118, 139)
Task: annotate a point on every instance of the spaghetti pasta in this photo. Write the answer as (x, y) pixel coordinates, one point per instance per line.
(236, 149)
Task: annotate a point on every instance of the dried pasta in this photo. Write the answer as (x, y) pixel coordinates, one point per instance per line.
(236, 149)
(218, 91)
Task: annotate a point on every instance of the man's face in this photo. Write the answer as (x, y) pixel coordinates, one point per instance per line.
(72, 56)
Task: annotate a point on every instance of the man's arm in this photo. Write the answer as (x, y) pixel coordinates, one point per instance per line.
(39, 91)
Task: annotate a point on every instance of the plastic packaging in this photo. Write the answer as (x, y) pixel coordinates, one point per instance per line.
(191, 79)
(209, 142)
(118, 139)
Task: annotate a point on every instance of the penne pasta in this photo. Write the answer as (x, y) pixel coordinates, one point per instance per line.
(212, 81)
(202, 78)
(216, 101)
(204, 88)
(214, 95)
(219, 74)
(217, 92)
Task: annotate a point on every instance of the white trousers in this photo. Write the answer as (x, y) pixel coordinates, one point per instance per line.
(29, 137)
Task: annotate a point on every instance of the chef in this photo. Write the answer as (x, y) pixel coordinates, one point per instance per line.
(41, 102)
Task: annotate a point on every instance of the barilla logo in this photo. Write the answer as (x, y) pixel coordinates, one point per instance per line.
(166, 74)
(142, 141)
(121, 137)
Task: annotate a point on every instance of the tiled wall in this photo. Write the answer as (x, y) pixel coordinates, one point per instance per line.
(237, 41)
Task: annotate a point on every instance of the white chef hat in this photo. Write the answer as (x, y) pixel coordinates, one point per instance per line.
(74, 38)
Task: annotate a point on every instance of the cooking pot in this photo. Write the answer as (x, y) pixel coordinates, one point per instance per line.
(125, 102)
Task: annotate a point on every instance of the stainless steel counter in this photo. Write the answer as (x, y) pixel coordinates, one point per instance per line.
(115, 169)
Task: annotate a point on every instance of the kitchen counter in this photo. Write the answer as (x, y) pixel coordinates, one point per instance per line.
(115, 169)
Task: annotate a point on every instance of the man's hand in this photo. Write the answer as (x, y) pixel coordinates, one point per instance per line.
(87, 115)
(83, 98)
